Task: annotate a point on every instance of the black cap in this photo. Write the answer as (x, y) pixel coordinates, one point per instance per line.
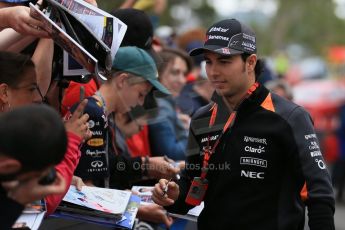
(228, 37)
(139, 30)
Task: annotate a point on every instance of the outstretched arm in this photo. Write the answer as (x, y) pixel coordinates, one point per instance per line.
(18, 18)
(43, 59)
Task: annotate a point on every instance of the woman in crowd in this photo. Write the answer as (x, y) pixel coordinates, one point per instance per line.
(168, 132)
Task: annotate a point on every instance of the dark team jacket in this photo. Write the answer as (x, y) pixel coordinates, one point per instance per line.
(10, 210)
(267, 167)
(97, 162)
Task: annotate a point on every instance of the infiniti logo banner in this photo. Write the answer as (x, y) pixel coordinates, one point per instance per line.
(253, 161)
(96, 164)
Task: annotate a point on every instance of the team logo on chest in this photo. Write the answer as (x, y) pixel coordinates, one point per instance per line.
(254, 144)
(253, 161)
(259, 149)
(208, 139)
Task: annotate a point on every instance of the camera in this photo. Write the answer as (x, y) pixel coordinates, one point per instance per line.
(49, 178)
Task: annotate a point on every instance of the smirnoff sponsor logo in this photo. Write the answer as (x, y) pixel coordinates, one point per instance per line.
(255, 140)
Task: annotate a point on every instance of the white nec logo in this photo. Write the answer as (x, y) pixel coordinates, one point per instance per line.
(254, 175)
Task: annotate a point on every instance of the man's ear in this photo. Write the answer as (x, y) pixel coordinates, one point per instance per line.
(251, 62)
(121, 80)
(9, 165)
(4, 93)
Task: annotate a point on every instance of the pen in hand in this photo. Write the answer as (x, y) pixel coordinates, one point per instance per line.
(165, 190)
(172, 164)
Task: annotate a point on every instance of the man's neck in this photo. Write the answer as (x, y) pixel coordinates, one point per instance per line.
(108, 99)
(228, 105)
(232, 101)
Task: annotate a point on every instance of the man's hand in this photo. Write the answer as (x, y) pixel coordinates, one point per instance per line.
(18, 18)
(25, 192)
(160, 197)
(185, 119)
(77, 182)
(158, 167)
(154, 213)
(92, 2)
(78, 124)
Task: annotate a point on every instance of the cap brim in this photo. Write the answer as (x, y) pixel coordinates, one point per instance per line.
(225, 51)
(159, 86)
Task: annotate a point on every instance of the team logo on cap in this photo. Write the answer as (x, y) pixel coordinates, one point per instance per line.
(226, 50)
(233, 43)
(218, 29)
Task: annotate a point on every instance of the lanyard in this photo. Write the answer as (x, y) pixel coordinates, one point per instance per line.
(229, 123)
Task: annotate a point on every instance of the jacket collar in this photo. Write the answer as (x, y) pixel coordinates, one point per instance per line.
(256, 99)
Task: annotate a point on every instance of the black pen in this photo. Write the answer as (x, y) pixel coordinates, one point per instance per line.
(165, 190)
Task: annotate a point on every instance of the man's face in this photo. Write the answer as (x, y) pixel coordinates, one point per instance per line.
(227, 74)
(22, 175)
(133, 95)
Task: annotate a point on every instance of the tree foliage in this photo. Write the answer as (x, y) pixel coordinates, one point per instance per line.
(311, 23)
(203, 11)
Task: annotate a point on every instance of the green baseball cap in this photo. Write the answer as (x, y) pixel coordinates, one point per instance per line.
(137, 61)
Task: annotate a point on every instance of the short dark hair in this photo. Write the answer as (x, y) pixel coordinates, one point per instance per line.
(34, 135)
(13, 66)
(258, 67)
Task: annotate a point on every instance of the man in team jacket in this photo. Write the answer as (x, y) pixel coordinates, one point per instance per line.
(253, 157)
